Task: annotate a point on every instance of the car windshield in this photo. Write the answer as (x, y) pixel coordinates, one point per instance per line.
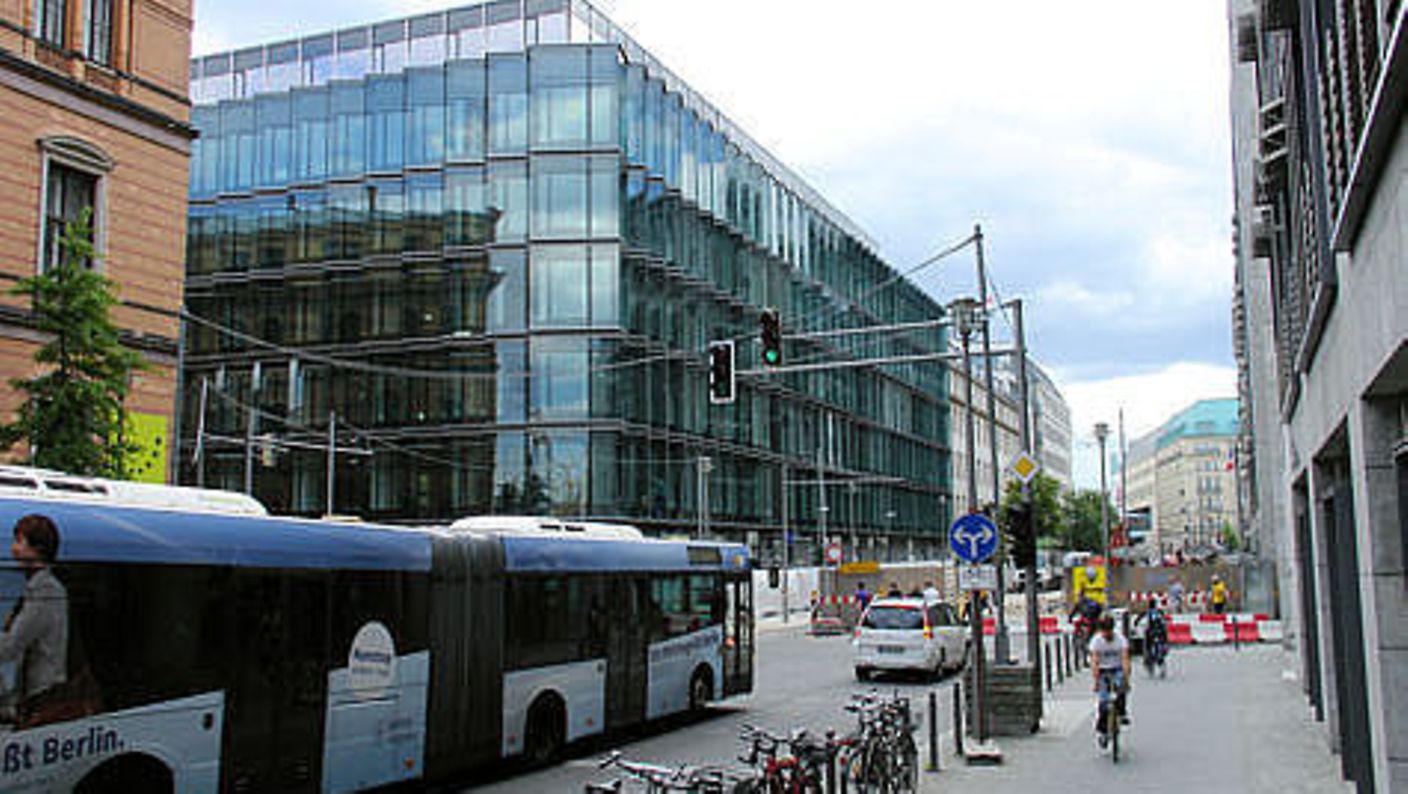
(893, 618)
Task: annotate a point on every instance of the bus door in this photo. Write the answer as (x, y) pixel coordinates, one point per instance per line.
(738, 632)
(274, 732)
(626, 652)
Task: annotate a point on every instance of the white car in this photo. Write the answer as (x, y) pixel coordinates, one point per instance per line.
(909, 634)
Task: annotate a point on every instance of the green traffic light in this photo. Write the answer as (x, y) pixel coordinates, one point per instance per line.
(770, 356)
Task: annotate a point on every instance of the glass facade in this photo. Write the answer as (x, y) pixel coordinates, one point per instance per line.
(495, 241)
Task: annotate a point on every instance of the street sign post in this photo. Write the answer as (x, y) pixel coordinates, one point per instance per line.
(973, 537)
(1025, 467)
(977, 577)
(833, 553)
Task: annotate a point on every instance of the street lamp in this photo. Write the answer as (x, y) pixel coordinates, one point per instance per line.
(967, 316)
(1102, 432)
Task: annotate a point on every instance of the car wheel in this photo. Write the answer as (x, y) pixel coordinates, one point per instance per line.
(942, 666)
(862, 674)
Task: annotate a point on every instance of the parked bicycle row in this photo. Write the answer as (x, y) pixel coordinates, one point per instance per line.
(877, 756)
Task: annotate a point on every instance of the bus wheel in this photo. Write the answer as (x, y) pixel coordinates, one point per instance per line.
(128, 773)
(701, 691)
(547, 730)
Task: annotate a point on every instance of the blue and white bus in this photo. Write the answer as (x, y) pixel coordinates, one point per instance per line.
(219, 652)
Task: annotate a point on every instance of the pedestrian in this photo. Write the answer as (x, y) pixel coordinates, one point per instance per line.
(931, 593)
(1220, 595)
(1175, 595)
(894, 591)
(862, 596)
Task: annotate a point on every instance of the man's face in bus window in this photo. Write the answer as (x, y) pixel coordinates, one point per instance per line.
(26, 554)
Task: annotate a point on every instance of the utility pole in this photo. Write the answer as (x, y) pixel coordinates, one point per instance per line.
(967, 312)
(704, 464)
(249, 450)
(1124, 481)
(1033, 619)
(1000, 642)
(200, 432)
(1102, 432)
(332, 460)
(786, 544)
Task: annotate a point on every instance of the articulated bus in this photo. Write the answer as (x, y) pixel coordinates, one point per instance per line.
(212, 651)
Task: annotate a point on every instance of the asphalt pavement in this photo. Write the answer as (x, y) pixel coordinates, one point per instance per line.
(1223, 720)
(801, 682)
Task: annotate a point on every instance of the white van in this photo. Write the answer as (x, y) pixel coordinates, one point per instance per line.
(909, 634)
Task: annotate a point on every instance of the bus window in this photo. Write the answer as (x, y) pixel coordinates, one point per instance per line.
(704, 607)
(669, 612)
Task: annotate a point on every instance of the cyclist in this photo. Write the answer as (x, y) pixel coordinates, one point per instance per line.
(1109, 664)
(1155, 634)
(1085, 614)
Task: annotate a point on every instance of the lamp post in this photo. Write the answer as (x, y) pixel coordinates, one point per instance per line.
(967, 317)
(1102, 432)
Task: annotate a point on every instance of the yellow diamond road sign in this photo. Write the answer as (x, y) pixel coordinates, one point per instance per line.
(1025, 467)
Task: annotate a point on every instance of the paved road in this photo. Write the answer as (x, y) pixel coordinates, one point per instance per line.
(801, 681)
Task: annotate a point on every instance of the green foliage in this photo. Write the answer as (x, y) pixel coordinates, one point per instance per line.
(72, 415)
(1047, 515)
(1082, 509)
(1231, 541)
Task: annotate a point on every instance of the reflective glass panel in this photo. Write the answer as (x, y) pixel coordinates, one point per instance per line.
(467, 217)
(559, 382)
(559, 197)
(465, 102)
(508, 184)
(559, 286)
(508, 104)
(508, 298)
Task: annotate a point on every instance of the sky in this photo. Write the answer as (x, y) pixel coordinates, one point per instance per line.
(1089, 138)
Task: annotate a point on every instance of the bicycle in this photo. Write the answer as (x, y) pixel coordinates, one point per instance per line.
(800, 771)
(880, 756)
(1112, 688)
(1156, 656)
(661, 779)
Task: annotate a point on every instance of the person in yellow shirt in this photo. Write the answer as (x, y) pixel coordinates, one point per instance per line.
(1220, 595)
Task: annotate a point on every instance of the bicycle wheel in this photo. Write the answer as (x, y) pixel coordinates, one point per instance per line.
(906, 770)
(1113, 726)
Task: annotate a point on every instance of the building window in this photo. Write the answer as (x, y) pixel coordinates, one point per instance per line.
(97, 41)
(68, 192)
(49, 22)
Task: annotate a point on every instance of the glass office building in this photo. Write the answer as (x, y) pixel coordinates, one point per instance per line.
(494, 242)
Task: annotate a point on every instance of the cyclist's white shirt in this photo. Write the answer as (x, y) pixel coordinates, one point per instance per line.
(1110, 652)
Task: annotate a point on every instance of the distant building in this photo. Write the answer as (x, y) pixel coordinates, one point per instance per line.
(1183, 475)
(1320, 158)
(93, 116)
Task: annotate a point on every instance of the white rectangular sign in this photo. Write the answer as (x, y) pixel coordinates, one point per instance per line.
(977, 577)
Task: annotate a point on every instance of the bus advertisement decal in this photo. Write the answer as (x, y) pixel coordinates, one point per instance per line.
(375, 723)
(184, 734)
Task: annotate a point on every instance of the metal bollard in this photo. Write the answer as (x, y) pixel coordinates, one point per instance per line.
(1060, 674)
(1236, 637)
(831, 762)
(933, 731)
(958, 719)
(1049, 683)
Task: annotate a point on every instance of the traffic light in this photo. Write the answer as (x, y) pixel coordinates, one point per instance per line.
(772, 337)
(721, 383)
(1021, 532)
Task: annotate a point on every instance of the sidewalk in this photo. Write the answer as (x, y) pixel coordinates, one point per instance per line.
(1223, 721)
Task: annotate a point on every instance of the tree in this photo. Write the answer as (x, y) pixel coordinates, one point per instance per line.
(73, 413)
(1047, 516)
(1231, 541)
(1082, 510)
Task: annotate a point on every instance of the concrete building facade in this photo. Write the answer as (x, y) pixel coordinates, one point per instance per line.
(1323, 209)
(93, 116)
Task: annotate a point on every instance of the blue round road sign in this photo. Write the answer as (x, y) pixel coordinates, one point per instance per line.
(973, 537)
